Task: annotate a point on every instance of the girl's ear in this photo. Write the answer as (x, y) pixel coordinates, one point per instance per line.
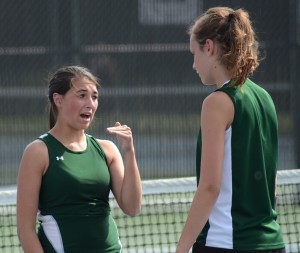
(210, 46)
(57, 99)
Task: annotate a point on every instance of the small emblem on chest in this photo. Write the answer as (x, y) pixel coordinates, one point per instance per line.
(59, 158)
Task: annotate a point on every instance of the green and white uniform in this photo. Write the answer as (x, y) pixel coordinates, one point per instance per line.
(243, 217)
(74, 211)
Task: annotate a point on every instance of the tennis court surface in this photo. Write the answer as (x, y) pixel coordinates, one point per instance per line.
(165, 206)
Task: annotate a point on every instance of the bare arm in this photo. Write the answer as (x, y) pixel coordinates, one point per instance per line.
(126, 182)
(32, 167)
(217, 115)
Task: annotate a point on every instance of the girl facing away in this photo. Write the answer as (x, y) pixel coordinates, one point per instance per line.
(66, 175)
(233, 209)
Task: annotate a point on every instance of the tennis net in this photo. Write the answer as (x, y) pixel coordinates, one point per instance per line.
(166, 203)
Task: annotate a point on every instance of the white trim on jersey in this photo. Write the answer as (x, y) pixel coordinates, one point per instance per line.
(220, 233)
(52, 232)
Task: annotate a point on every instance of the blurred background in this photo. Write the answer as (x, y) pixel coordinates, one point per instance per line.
(140, 51)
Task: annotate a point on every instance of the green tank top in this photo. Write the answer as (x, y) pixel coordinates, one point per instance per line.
(244, 216)
(74, 211)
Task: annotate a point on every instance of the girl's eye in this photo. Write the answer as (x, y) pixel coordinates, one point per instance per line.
(95, 97)
(81, 95)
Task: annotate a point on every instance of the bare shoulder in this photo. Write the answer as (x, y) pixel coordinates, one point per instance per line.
(218, 99)
(218, 102)
(36, 147)
(218, 107)
(36, 155)
(107, 144)
(110, 149)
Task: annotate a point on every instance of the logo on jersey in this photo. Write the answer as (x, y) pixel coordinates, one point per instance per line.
(59, 158)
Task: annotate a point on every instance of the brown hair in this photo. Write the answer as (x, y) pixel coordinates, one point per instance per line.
(61, 83)
(232, 30)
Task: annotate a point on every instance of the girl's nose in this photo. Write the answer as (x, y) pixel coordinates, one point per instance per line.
(90, 102)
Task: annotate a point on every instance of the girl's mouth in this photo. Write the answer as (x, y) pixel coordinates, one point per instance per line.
(85, 115)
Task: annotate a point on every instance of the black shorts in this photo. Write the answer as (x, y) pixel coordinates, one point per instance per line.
(204, 249)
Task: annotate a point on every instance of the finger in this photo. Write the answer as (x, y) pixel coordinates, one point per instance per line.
(124, 132)
(119, 128)
(122, 136)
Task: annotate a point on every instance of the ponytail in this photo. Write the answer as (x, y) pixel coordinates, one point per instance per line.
(233, 32)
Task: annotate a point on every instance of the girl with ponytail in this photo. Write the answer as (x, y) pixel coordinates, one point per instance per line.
(233, 209)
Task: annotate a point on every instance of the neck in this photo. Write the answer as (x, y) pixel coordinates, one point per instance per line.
(74, 140)
(222, 75)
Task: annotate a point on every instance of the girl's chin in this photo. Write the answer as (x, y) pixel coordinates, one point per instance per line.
(206, 83)
(85, 125)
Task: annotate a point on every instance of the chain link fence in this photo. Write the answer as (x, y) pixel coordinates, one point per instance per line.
(140, 51)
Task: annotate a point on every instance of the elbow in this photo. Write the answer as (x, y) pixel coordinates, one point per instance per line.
(212, 190)
(133, 211)
(21, 235)
(131, 206)
(19, 230)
